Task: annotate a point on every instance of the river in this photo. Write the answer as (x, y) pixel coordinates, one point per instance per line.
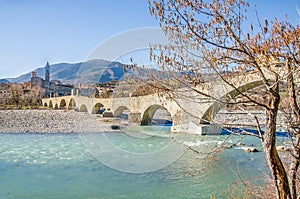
(62, 166)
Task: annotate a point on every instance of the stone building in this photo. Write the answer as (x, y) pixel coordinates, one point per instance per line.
(15, 94)
(48, 88)
(4, 91)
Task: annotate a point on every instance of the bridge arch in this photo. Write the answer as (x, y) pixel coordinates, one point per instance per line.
(50, 104)
(212, 111)
(149, 113)
(119, 111)
(62, 104)
(71, 104)
(83, 108)
(97, 107)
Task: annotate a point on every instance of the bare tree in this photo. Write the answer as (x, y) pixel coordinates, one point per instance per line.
(209, 39)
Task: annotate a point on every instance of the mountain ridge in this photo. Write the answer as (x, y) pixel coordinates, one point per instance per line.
(88, 72)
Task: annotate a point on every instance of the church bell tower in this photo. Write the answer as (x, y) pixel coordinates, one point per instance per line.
(47, 72)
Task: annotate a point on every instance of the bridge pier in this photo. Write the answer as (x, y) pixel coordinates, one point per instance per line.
(135, 117)
(199, 129)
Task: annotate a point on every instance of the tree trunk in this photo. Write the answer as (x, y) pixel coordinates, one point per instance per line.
(294, 167)
(295, 132)
(278, 171)
(269, 145)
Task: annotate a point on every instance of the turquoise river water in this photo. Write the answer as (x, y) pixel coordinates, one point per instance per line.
(60, 166)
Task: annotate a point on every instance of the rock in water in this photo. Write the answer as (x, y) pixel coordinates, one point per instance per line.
(115, 127)
(250, 150)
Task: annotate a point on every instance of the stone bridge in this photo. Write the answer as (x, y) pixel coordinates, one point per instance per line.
(190, 111)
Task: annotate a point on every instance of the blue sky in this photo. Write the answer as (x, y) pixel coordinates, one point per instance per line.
(34, 31)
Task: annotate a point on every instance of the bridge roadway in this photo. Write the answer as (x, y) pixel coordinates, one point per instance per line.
(190, 111)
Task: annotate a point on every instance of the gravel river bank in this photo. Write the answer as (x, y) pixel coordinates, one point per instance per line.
(49, 121)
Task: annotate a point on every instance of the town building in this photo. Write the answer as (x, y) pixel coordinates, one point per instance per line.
(47, 88)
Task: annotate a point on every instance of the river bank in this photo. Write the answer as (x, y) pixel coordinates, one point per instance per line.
(239, 118)
(69, 121)
(50, 121)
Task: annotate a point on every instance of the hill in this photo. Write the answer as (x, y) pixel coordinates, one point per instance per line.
(4, 81)
(88, 72)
